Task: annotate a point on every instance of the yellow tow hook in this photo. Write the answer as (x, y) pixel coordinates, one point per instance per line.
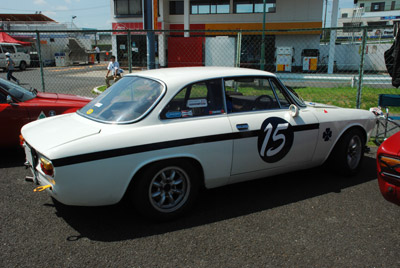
(42, 188)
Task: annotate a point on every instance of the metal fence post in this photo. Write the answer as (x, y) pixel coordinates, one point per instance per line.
(129, 51)
(361, 70)
(40, 59)
(238, 48)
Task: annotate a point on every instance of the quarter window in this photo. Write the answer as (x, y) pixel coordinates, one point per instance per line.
(198, 99)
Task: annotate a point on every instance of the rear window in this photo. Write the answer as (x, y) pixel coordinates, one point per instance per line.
(127, 101)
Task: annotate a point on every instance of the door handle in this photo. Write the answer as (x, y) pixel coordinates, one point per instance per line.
(242, 126)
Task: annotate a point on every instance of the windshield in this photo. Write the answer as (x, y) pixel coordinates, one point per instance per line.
(128, 100)
(16, 91)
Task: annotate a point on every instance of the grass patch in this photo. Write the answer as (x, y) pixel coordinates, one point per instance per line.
(345, 96)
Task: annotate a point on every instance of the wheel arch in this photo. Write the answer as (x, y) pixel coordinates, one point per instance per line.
(23, 63)
(343, 133)
(195, 162)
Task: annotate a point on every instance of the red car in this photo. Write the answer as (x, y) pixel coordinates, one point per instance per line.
(19, 106)
(388, 166)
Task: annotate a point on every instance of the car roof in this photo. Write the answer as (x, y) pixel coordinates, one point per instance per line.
(186, 75)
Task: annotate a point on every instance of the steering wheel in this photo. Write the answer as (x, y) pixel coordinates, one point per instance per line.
(260, 103)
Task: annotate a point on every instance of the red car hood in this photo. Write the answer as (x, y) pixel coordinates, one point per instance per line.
(60, 97)
(391, 145)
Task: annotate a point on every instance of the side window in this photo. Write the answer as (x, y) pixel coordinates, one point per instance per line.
(21, 49)
(8, 48)
(283, 100)
(198, 99)
(250, 94)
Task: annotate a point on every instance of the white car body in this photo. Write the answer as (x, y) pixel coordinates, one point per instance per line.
(95, 162)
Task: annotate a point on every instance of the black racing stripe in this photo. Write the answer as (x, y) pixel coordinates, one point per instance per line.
(150, 147)
(306, 127)
(162, 145)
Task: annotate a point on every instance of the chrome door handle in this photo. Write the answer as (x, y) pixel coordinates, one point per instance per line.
(242, 126)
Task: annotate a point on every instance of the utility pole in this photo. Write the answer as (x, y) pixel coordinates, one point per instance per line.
(262, 62)
(148, 25)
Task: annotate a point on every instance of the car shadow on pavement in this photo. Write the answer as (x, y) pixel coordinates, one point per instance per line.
(121, 222)
(12, 157)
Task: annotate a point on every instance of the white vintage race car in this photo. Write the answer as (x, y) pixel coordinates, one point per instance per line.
(158, 136)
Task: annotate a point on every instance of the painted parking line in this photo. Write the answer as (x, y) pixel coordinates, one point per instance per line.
(75, 68)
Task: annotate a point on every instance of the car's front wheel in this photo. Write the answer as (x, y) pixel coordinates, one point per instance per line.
(349, 151)
(166, 189)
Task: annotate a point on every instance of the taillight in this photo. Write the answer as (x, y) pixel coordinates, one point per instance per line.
(46, 166)
(21, 140)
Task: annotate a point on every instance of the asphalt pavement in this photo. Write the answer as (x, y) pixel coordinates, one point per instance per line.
(312, 218)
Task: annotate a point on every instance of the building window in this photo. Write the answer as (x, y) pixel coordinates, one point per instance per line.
(350, 27)
(254, 6)
(393, 6)
(176, 7)
(128, 7)
(362, 4)
(345, 15)
(209, 7)
(378, 6)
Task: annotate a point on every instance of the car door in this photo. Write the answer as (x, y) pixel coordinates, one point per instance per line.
(266, 135)
(12, 117)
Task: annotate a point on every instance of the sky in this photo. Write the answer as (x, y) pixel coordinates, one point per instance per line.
(90, 13)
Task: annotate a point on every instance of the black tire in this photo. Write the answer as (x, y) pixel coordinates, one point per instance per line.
(348, 153)
(166, 189)
(22, 65)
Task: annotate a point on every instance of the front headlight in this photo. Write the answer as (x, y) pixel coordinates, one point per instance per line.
(46, 166)
(390, 166)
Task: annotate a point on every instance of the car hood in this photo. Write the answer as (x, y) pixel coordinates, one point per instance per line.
(56, 97)
(51, 132)
(391, 146)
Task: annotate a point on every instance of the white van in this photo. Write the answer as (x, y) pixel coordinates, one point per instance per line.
(18, 54)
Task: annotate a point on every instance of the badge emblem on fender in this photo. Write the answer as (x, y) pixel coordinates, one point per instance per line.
(275, 139)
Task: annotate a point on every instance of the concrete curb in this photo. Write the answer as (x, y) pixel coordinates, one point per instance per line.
(96, 90)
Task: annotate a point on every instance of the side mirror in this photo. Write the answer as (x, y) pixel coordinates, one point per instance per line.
(10, 101)
(293, 110)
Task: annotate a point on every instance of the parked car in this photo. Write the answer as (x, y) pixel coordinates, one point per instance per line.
(18, 54)
(388, 168)
(158, 136)
(19, 106)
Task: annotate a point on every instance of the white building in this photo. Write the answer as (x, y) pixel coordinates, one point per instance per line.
(371, 13)
(211, 15)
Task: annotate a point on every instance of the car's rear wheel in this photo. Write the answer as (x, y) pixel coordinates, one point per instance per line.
(22, 65)
(348, 153)
(166, 189)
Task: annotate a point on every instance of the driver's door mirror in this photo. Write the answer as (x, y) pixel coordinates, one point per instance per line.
(10, 101)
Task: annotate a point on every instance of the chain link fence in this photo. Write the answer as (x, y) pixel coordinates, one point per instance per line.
(338, 66)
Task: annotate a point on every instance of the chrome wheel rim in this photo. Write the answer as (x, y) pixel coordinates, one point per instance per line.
(354, 152)
(169, 189)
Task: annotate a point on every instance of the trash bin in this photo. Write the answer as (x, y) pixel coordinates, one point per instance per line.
(309, 59)
(91, 58)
